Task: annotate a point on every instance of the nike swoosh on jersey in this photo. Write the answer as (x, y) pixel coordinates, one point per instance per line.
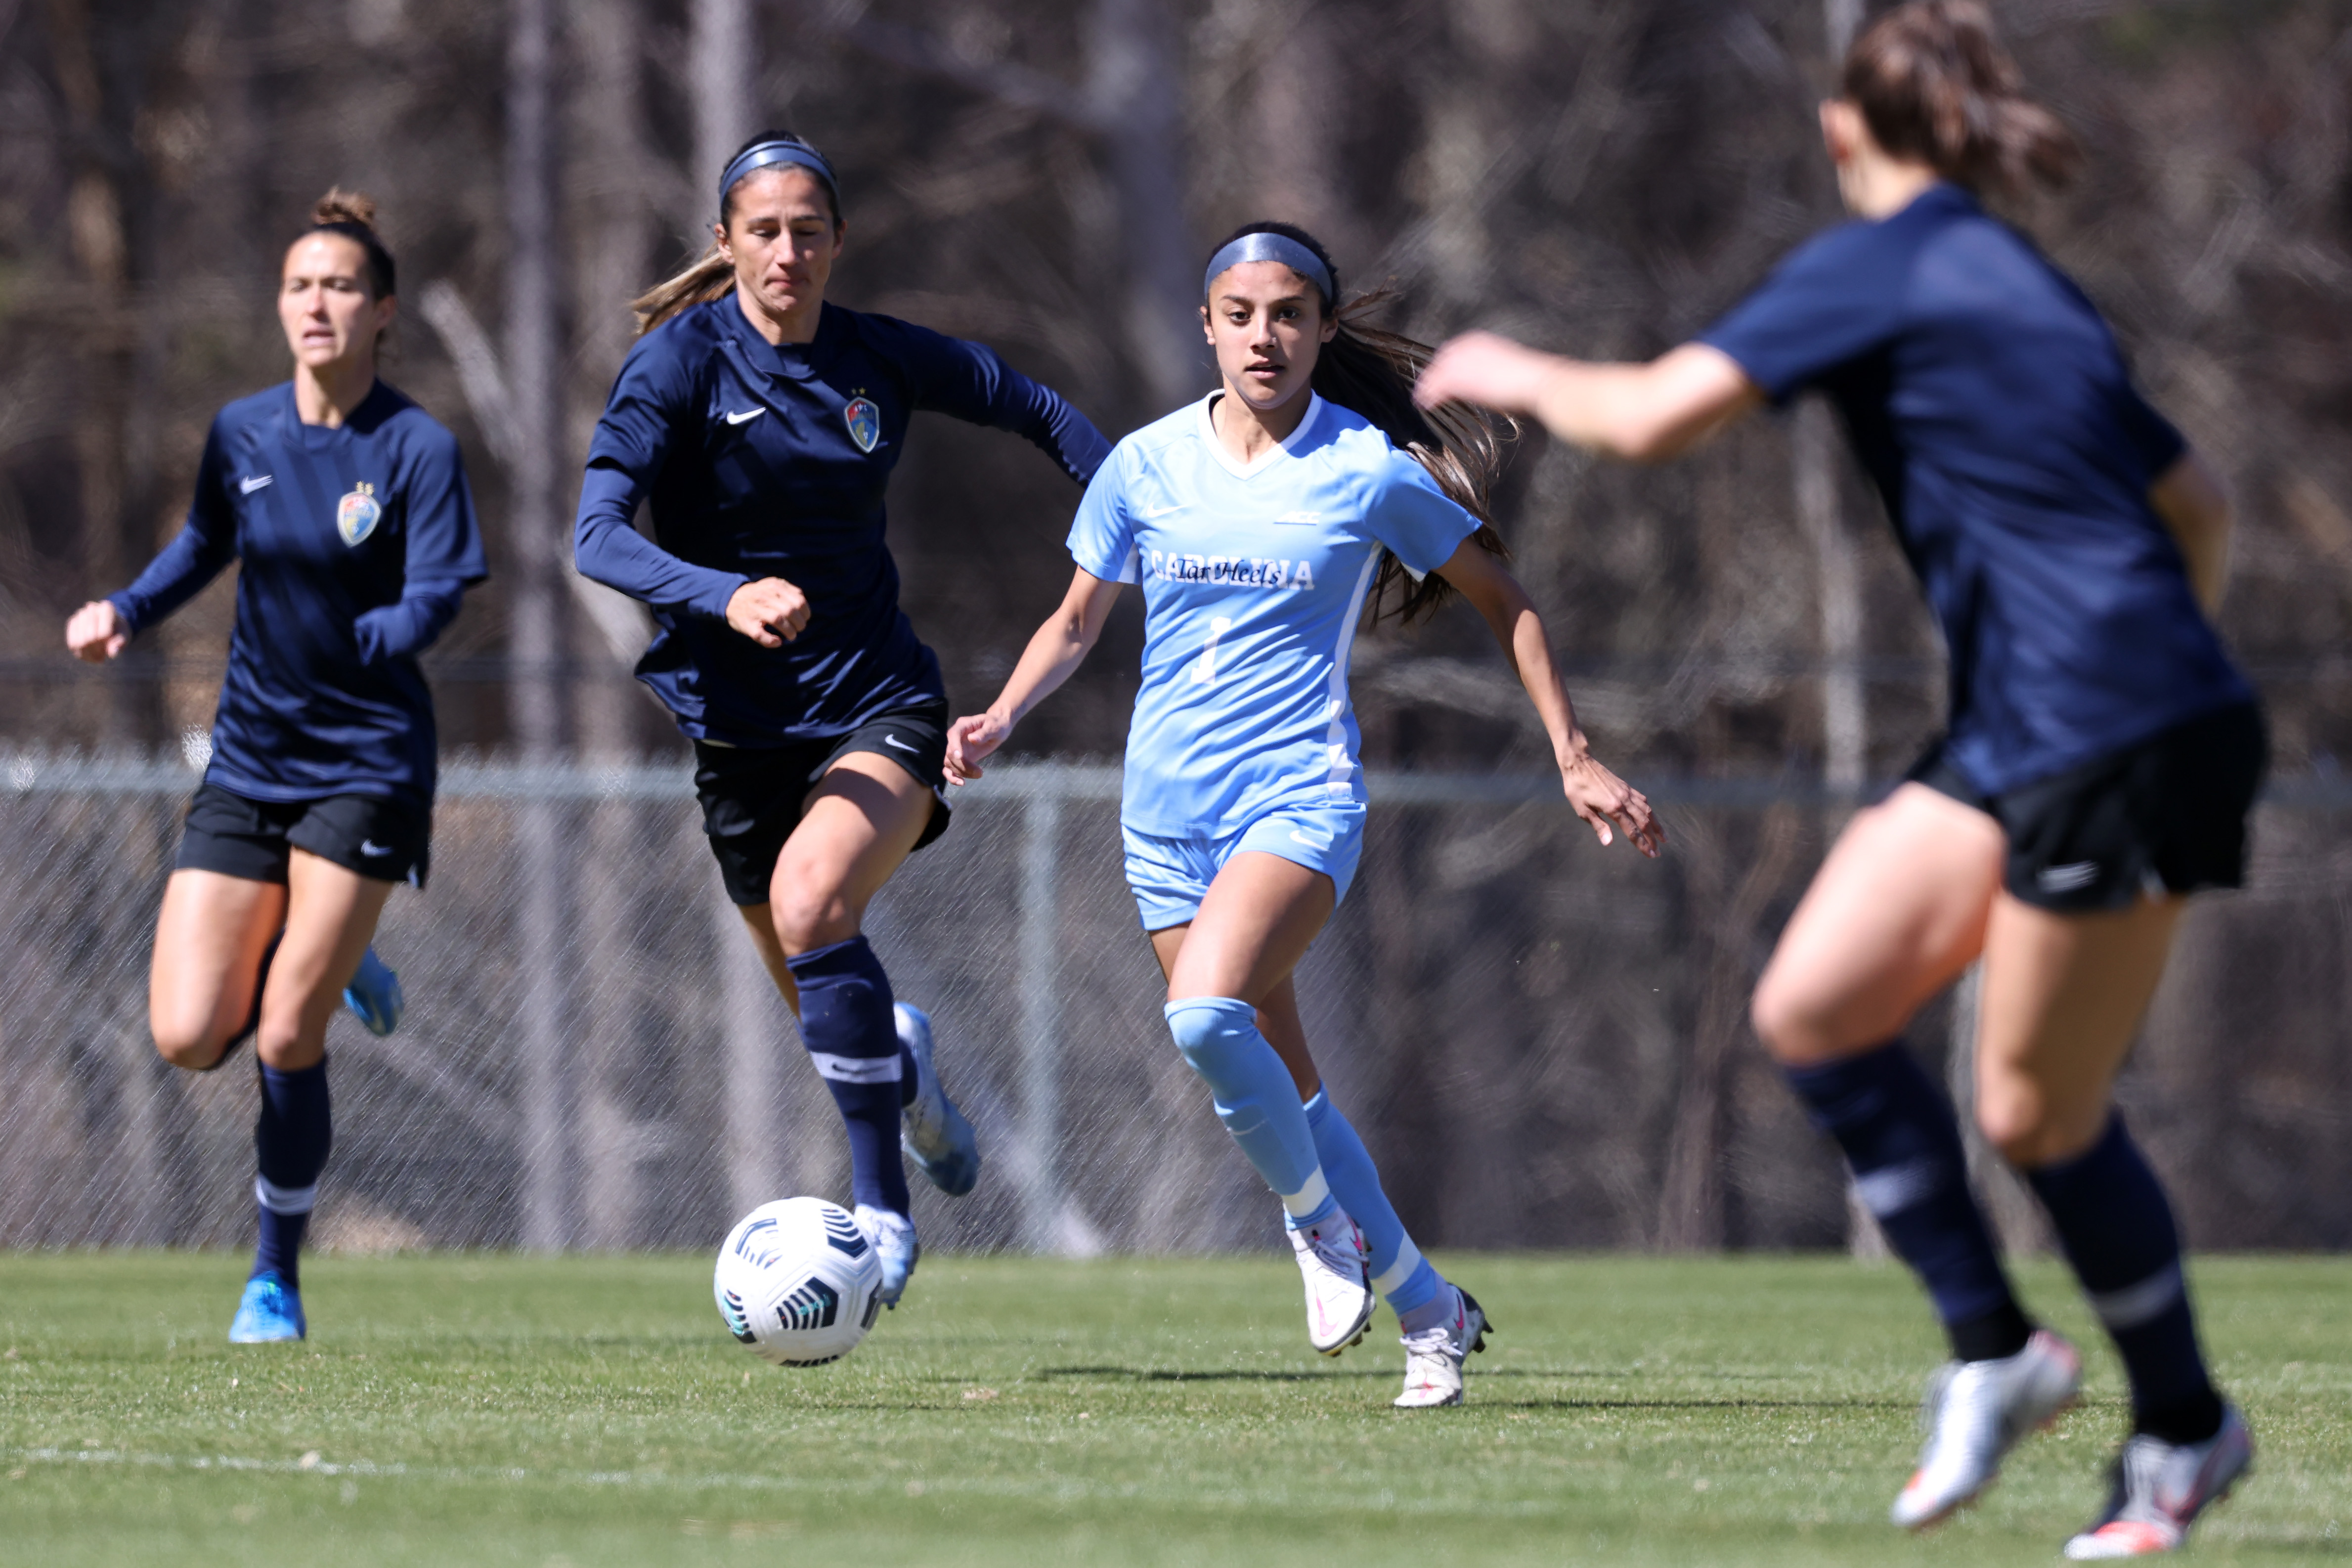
(746, 417)
(255, 482)
(370, 847)
(1150, 512)
(1300, 519)
(894, 741)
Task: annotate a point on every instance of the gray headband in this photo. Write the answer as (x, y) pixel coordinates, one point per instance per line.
(1263, 247)
(767, 154)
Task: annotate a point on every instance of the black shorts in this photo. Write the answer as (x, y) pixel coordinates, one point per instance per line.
(2167, 815)
(388, 840)
(751, 797)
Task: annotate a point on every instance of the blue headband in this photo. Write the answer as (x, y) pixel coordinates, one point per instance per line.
(767, 154)
(1263, 247)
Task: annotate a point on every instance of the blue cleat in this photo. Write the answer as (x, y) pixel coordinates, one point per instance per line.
(893, 1236)
(272, 1310)
(375, 996)
(932, 1132)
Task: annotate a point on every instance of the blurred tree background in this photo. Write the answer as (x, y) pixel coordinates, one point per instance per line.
(1602, 175)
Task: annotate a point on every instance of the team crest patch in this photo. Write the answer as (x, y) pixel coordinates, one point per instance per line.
(357, 514)
(865, 423)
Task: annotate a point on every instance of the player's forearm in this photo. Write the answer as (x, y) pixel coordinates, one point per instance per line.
(607, 548)
(1520, 633)
(1059, 647)
(191, 560)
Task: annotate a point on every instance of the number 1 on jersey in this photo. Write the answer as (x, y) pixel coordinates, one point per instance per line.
(1204, 673)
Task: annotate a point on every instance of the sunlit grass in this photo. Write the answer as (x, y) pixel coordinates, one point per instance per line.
(466, 1408)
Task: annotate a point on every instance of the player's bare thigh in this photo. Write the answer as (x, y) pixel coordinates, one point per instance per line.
(1277, 1014)
(2063, 998)
(861, 822)
(1895, 913)
(1253, 926)
(209, 939)
(330, 917)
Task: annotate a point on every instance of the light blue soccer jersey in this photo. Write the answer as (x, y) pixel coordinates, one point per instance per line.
(1254, 577)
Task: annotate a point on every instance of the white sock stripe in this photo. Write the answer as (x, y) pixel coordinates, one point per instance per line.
(283, 1200)
(1892, 1189)
(1308, 1199)
(857, 1069)
(2136, 1304)
(1408, 1258)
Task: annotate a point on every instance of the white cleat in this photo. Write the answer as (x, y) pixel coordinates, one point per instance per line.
(2161, 1488)
(932, 1132)
(1338, 1272)
(1975, 1413)
(893, 1236)
(1434, 1357)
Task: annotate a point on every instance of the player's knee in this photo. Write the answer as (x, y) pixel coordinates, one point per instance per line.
(1782, 1018)
(2019, 1121)
(805, 920)
(191, 1048)
(1206, 1034)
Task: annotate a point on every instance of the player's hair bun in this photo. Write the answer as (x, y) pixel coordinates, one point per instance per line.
(340, 206)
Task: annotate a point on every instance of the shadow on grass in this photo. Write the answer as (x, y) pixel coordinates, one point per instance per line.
(1564, 1402)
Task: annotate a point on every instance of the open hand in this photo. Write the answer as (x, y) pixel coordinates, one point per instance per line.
(1481, 368)
(971, 740)
(96, 632)
(1601, 797)
(771, 612)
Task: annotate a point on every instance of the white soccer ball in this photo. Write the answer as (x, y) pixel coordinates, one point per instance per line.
(797, 1282)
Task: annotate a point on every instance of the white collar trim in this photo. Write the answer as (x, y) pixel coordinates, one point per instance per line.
(1273, 456)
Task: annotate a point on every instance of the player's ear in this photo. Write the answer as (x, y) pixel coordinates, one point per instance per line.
(1838, 127)
(1208, 328)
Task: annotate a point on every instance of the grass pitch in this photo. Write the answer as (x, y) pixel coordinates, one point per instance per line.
(465, 1408)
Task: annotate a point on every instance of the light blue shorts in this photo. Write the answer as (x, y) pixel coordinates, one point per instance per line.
(1171, 875)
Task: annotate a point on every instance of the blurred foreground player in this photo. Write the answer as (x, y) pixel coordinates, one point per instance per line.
(346, 507)
(1257, 523)
(2100, 757)
(762, 425)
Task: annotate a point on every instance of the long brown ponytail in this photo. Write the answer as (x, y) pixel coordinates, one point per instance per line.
(710, 276)
(1372, 373)
(1935, 85)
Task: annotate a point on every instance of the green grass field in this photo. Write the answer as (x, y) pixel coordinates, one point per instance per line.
(468, 1408)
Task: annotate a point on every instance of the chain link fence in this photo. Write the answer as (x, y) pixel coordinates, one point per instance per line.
(1544, 1044)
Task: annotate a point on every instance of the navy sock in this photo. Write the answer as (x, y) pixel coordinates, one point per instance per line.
(2112, 1218)
(290, 1139)
(845, 1023)
(1910, 1170)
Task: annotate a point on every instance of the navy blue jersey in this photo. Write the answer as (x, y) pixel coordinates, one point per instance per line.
(1991, 405)
(355, 543)
(762, 461)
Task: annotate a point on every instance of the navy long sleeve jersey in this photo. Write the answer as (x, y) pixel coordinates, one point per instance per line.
(762, 461)
(356, 544)
(1992, 408)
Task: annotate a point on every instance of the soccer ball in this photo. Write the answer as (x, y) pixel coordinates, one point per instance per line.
(797, 1282)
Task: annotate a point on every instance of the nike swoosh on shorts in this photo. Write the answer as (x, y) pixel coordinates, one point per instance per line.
(745, 418)
(894, 741)
(370, 847)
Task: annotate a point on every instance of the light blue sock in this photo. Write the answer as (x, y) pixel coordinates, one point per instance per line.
(1255, 1100)
(1400, 1273)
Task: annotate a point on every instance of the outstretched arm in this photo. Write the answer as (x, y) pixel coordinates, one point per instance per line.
(1642, 412)
(1057, 648)
(1599, 797)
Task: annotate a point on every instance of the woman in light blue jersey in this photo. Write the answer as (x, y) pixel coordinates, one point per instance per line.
(1258, 522)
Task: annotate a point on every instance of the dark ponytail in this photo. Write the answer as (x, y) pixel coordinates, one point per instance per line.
(1372, 373)
(1935, 85)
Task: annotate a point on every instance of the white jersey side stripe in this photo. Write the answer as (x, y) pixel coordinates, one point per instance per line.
(1343, 776)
